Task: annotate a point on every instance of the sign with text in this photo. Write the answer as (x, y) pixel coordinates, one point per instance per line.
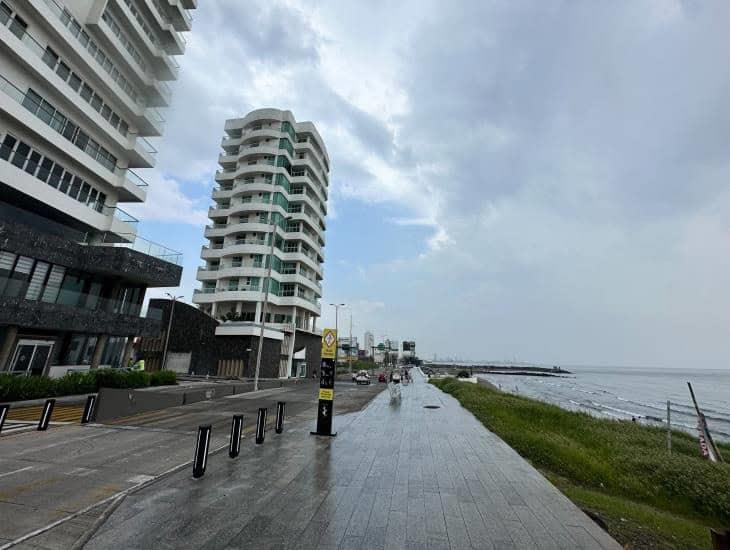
(325, 405)
(329, 343)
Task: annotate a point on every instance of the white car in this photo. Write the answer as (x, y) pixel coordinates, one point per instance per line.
(362, 377)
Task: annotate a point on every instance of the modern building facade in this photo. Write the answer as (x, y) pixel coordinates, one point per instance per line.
(368, 343)
(267, 232)
(81, 85)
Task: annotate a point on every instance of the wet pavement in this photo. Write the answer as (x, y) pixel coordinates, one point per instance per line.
(396, 476)
(72, 473)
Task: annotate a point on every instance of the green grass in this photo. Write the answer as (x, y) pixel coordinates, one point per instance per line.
(621, 470)
(16, 388)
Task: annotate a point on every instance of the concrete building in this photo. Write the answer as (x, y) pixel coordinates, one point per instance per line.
(267, 232)
(368, 343)
(81, 84)
(194, 348)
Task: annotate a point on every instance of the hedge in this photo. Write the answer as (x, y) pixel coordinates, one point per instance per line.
(16, 388)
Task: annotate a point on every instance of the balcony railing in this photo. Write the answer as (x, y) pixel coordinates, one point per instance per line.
(142, 245)
(133, 177)
(119, 214)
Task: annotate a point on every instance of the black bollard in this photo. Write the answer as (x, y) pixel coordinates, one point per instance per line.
(234, 447)
(200, 460)
(261, 426)
(88, 409)
(279, 427)
(46, 415)
(4, 409)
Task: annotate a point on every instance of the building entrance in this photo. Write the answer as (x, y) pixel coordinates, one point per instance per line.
(31, 357)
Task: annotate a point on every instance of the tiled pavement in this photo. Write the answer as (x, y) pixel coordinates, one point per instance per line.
(396, 476)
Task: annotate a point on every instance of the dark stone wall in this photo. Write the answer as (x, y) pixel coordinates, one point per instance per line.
(40, 315)
(194, 331)
(119, 262)
(313, 345)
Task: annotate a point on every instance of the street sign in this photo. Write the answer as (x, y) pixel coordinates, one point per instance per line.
(329, 343)
(326, 383)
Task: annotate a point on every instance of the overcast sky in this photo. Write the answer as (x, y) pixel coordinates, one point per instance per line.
(545, 181)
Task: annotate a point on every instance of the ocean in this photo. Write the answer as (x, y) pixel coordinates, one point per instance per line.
(623, 393)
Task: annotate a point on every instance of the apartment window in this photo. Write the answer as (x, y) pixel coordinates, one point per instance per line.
(7, 146)
(36, 281)
(106, 112)
(53, 285)
(45, 170)
(96, 103)
(63, 71)
(56, 174)
(19, 276)
(33, 161)
(75, 187)
(65, 183)
(18, 26)
(86, 92)
(21, 155)
(50, 58)
(5, 13)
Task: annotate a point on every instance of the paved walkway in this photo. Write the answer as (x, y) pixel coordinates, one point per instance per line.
(397, 476)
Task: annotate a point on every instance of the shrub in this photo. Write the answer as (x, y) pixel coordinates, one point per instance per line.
(463, 374)
(163, 378)
(18, 388)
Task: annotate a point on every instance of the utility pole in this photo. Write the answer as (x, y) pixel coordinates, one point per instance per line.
(169, 327)
(337, 310)
(349, 353)
(266, 297)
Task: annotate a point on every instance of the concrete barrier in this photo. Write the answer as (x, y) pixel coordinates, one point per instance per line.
(116, 403)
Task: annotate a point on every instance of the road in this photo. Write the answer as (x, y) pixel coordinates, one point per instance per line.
(71, 473)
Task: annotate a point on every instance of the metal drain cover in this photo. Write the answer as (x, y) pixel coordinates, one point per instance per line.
(432, 406)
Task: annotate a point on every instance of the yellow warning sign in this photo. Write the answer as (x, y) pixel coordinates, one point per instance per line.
(329, 343)
(326, 394)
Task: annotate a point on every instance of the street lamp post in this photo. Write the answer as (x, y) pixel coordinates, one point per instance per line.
(266, 299)
(169, 327)
(337, 310)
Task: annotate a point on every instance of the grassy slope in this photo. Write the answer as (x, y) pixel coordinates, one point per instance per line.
(619, 469)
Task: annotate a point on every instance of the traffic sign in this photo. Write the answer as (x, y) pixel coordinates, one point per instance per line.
(329, 343)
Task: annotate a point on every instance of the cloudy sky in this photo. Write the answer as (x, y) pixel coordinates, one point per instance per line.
(545, 181)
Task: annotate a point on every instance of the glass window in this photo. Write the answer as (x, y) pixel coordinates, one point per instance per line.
(106, 112)
(21, 154)
(80, 350)
(46, 112)
(123, 128)
(75, 28)
(92, 197)
(74, 82)
(82, 139)
(5, 13)
(7, 146)
(50, 57)
(84, 194)
(53, 284)
(55, 178)
(7, 261)
(96, 102)
(84, 38)
(58, 122)
(45, 170)
(65, 183)
(69, 130)
(93, 296)
(35, 158)
(75, 187)
(63, 71)
(18, 281)
(86, 92)
(36, 281)
(31, 101)
(71, 289)
(18, 26)
(114, 121)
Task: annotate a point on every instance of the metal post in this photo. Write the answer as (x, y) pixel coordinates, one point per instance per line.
(261, 426)
(169, 328)
(234, 447)
(266, 299)
(279, 427)
(4, 409)
(200, 460)
(669, 429)
(349, 351)
(46, 415)
(88, 409)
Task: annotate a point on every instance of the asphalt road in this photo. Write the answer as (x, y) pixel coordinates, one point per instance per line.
(55, 485)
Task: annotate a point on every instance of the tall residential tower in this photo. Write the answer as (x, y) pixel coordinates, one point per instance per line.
(269, 218)
(81, 84)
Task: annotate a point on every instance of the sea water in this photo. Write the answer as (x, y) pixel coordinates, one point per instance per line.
(641, 393)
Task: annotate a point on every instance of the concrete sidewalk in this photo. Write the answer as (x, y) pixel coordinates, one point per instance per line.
(50, 476)
(397, 476)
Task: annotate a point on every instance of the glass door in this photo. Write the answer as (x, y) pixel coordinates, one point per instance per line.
(31, 357)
